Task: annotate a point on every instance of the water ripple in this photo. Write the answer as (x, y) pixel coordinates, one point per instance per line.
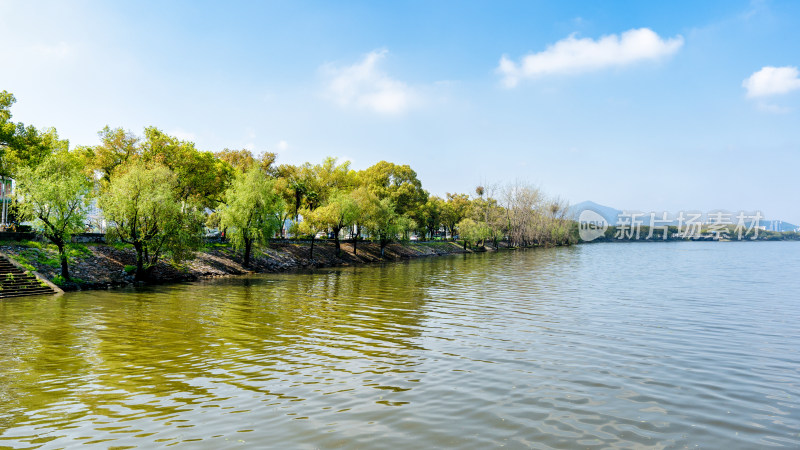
(607, 345)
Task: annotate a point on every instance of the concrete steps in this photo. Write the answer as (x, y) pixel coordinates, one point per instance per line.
(14, 282)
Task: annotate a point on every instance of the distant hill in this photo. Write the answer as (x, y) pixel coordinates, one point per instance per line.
(778, 225)
(610, 214)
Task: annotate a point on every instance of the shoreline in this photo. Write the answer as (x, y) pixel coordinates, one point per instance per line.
(102, 266)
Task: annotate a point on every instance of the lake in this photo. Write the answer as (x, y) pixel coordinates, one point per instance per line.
(639, 345)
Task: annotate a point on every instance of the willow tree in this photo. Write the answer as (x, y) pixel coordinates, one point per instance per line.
(251, 211)
(385, 223)
(54, 195)
(472, 232)
(143, 209)
(454, 210)
(20, 147)
(340, 212)
(314, 221)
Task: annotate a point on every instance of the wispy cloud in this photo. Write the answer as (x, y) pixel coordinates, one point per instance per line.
(771, 81)
(363, 85)
(773, 109)
(183, 135)
(576, 55)
(58, 51)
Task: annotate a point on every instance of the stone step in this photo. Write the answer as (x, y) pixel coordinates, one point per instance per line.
(27, 293)
(40, 289)
(19, 279)
(22, 288)
(15, 282)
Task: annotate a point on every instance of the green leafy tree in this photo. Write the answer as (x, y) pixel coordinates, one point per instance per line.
(144, 210)
(286, 193)
(243, 160)
(454, 210)
(292, 188)
(364, 204)
(314, 222)
(202, 178)
(432, 212)
(21, 147)
(7, 127)
(117, 147)
(29, 148)
(386, 224)
(472, 232)
(314, 184)
(7, 130)
(398, 183)
(55, 196)
(323, 180)
(251, 211)
(340, 212)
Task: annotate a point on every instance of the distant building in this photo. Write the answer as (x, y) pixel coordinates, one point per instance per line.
(6, 191)
(95, 222)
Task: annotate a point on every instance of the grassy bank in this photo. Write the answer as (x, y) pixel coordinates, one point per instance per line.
(100, 266)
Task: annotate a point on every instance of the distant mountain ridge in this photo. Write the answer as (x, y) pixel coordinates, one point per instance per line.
(612, 216)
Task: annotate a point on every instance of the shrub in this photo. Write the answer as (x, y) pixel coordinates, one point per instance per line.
(130, 269)
(52, 262)
(58, 280)
(33, 244)
(121, 245)
(79, 251)
(22, 262)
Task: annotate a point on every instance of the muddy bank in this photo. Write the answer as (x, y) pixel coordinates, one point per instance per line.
(98, 266)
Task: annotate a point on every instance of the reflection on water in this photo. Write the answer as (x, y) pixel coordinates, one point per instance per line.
(605, 345)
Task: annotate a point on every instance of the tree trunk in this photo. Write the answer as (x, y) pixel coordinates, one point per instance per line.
(140, 275)
(465, 245)
(355, 239)
(64, 263)
(248, 245)
(3, 219)
(297, 198)
(336, 239)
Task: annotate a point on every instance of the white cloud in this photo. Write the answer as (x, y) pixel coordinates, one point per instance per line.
(283, 146)
(773, 109)
(183, 135)
(772, 81)
(574, 55)
(363, 85)
(58, 51)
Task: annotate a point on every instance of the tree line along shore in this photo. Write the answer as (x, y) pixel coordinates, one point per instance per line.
(102, 266)
(159, 196)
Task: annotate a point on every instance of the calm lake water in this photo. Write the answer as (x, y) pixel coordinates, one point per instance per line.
(601, 345)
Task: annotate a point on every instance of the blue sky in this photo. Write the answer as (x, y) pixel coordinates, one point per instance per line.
(637, 105)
